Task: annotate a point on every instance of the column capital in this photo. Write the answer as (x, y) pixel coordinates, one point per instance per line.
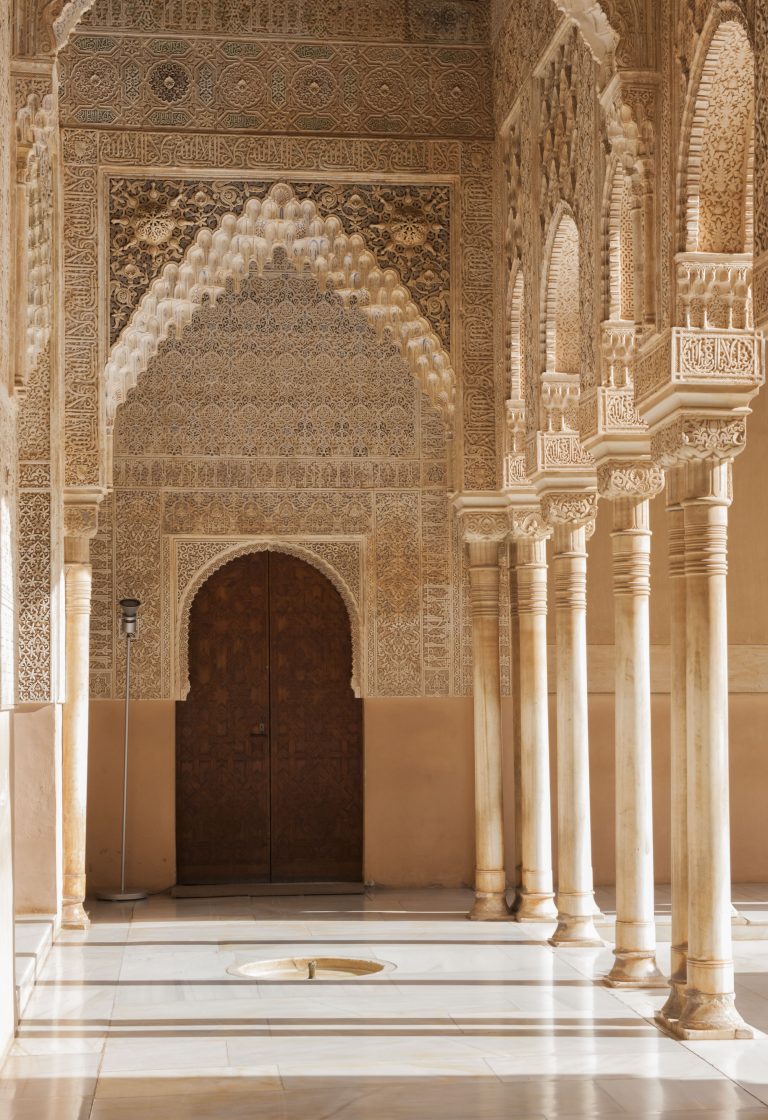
(576, 509)
(527, 524)
(691, 437)
(483, 526)
(617, 479)
(81, 521)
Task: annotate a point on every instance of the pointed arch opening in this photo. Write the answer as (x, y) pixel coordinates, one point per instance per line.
(718, 163)
(269, 742)
(561, 327)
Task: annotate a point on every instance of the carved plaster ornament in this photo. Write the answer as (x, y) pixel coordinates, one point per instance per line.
(572, 509)
(699, 437)
(341, 263)
(483, 526)
(629, 480)
(529, 524)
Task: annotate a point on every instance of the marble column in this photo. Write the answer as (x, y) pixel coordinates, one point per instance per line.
(482, 544)
(671, 1010)
(536, 901)
(630, 486)
(708, 1010)
(514, 739)
(77, 607)
(571, 515)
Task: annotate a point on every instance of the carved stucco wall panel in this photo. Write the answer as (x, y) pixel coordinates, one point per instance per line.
(279, 415)
(153, 221)
(123, 81)
(470, 164)
(406, 20)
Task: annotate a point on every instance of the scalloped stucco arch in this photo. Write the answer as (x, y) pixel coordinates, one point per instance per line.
(339, 261)
(557, 322)
(181, 626)
(725, 25)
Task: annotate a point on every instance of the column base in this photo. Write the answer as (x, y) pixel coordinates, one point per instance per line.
(73, 915)
(706, 1017)
(490, 908)
(673, 1008)
(577, 931)
(532, 907)
(634, 970)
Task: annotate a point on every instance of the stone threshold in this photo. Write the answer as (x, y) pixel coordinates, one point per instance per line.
(34, 935)
(263, 890)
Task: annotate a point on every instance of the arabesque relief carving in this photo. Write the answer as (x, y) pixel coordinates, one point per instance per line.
(277, 382)
(120, 81)
(154, 221)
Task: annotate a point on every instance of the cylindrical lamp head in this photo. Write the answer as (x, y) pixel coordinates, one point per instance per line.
(129, 609)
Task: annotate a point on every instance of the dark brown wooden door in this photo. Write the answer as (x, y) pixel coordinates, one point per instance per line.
(269, 741)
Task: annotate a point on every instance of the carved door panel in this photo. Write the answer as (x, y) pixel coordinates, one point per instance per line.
(269, 780)
(222, 730)
(317, 772)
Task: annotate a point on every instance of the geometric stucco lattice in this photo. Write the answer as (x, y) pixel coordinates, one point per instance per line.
(406, 20)
(124, 81)
(153, 221)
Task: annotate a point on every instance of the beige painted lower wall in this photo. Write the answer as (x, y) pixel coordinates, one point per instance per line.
(37, 808)
(418, 790)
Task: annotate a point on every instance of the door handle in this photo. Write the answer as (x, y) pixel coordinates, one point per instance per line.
(260, 729)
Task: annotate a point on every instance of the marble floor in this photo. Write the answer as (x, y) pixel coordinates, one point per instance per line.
(139, 1018)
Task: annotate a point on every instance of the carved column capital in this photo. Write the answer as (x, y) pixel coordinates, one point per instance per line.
(528, 524)
(576, 509)
(689, 438)
(483, 526)
(81, 521)
(641, 480)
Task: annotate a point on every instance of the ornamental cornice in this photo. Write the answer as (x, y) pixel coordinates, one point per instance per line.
(571, 508)
(690, 438)
(629, 480)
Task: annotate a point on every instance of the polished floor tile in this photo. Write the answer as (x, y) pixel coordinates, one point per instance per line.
(140, 1018)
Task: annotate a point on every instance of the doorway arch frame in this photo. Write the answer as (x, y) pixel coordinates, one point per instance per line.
(302, 550)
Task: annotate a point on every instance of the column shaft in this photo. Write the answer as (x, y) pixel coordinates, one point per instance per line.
(708, 1010)
(75, 740)
(575, 895)
(514, 648)
(635, 950)
(490, 878)
(536, 896)
(678, 749)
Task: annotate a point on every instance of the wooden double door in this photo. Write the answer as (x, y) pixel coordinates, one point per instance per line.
(269, 759)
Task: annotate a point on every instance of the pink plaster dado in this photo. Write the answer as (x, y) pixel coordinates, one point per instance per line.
(419, 821)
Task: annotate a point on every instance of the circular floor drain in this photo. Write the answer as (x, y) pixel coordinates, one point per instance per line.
(310, 968)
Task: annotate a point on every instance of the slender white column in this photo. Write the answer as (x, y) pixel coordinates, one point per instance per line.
(709, 1010)
(536, 896)
(678, 749)
(514, 667)
(490, 877)
(629, 486)
(77, 605)
(575, 894)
